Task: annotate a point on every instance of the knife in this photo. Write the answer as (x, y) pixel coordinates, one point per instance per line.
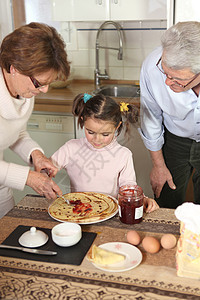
(34, 251)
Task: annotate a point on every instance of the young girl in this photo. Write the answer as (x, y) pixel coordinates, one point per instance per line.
(97, 162)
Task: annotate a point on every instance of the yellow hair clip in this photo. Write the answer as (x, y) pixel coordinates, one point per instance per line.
(123, 106)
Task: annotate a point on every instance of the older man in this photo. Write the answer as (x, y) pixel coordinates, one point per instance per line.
(170, 113)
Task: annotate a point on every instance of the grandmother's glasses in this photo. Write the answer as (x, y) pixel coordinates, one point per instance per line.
(36, 84)
(172, 79)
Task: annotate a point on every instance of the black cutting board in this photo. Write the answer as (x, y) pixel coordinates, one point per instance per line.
(72, 255)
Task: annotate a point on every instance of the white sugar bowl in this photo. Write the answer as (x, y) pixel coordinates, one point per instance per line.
(66, 234)
(33, 238)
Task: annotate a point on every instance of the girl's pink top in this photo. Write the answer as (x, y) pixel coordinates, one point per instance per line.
(95, 170)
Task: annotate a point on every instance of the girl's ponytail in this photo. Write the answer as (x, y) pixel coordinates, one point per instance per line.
(130, 112)
(78, 108)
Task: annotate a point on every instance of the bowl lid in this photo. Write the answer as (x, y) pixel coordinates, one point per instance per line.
(33, 238)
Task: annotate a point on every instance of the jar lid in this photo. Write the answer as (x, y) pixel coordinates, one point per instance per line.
(131, 192)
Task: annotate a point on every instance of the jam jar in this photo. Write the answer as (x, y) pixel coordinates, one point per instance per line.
(130, 201)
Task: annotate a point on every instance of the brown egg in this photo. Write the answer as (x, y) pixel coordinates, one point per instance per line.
(133, 237)
(168, 241)
(151, 244)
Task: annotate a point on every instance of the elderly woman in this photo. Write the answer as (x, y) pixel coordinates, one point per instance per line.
(31, 57)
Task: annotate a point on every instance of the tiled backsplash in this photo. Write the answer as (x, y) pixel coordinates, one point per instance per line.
(140, 38)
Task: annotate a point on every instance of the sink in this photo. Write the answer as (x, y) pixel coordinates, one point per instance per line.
(119, 91)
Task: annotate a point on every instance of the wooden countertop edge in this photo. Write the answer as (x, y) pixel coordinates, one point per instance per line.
(58, 99)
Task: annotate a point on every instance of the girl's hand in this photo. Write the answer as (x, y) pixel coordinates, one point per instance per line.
(40, 162)
(150, 204)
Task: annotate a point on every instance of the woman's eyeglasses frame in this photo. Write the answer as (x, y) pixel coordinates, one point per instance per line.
(174, 80)
(36, 83)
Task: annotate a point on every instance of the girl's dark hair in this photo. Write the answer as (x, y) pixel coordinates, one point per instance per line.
(103, 108)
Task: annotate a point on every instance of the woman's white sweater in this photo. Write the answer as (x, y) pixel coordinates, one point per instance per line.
(14, 114)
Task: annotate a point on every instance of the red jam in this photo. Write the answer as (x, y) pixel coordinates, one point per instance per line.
(130, 200)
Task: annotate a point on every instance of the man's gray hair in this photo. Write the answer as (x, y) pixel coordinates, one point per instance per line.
(181, 46)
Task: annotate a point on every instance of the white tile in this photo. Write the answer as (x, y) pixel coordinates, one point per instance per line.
(83, 58)
(113, 38)
(86, 39)
(103, 58)
(132, 38)
(147, 51)
(151, 38)
(113, 61)
(69, 55)
(131, 73)
(109, 38)
(132, 24)
(154, 24)
(138, 43)
(116, 73)
(133, 57)
(69, 34)
(83, 73)
(86, 25)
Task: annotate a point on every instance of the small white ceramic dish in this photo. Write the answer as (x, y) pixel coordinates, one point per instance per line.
(33, 238)
(66, 234)
(133, 257)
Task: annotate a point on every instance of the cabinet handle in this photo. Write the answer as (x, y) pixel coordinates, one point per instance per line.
(32, 125)
(115, 1)
(99, 2)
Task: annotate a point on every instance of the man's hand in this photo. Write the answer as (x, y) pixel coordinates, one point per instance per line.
(158, 177)
(160, 173)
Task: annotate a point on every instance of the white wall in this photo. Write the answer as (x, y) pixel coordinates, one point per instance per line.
(140, 38)
(6, 24)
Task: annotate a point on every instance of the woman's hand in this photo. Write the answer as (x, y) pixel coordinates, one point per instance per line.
(43, 185)
(150, 204)
(40, 161)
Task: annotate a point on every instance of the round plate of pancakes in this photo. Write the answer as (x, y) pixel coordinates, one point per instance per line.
(84, 208)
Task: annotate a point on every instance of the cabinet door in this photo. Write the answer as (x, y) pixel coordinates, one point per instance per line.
(187, 12)
(6, 26)
(138, 9)
(80, 10)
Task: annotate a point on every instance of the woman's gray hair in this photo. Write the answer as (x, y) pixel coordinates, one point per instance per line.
(181, 46)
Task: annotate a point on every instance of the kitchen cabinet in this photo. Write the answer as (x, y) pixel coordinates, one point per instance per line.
(80, 10)
(138, 10)
(6, 25)
(188, 12)
(102, 10)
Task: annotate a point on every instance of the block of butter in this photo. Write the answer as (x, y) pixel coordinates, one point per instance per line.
(104, 257)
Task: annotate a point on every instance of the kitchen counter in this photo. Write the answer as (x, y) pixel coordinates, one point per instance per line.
(60, 100)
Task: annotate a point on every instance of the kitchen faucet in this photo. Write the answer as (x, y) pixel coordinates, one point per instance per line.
(97, 74)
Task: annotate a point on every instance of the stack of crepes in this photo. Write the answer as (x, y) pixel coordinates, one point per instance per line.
(104, 257)
(188, 247)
